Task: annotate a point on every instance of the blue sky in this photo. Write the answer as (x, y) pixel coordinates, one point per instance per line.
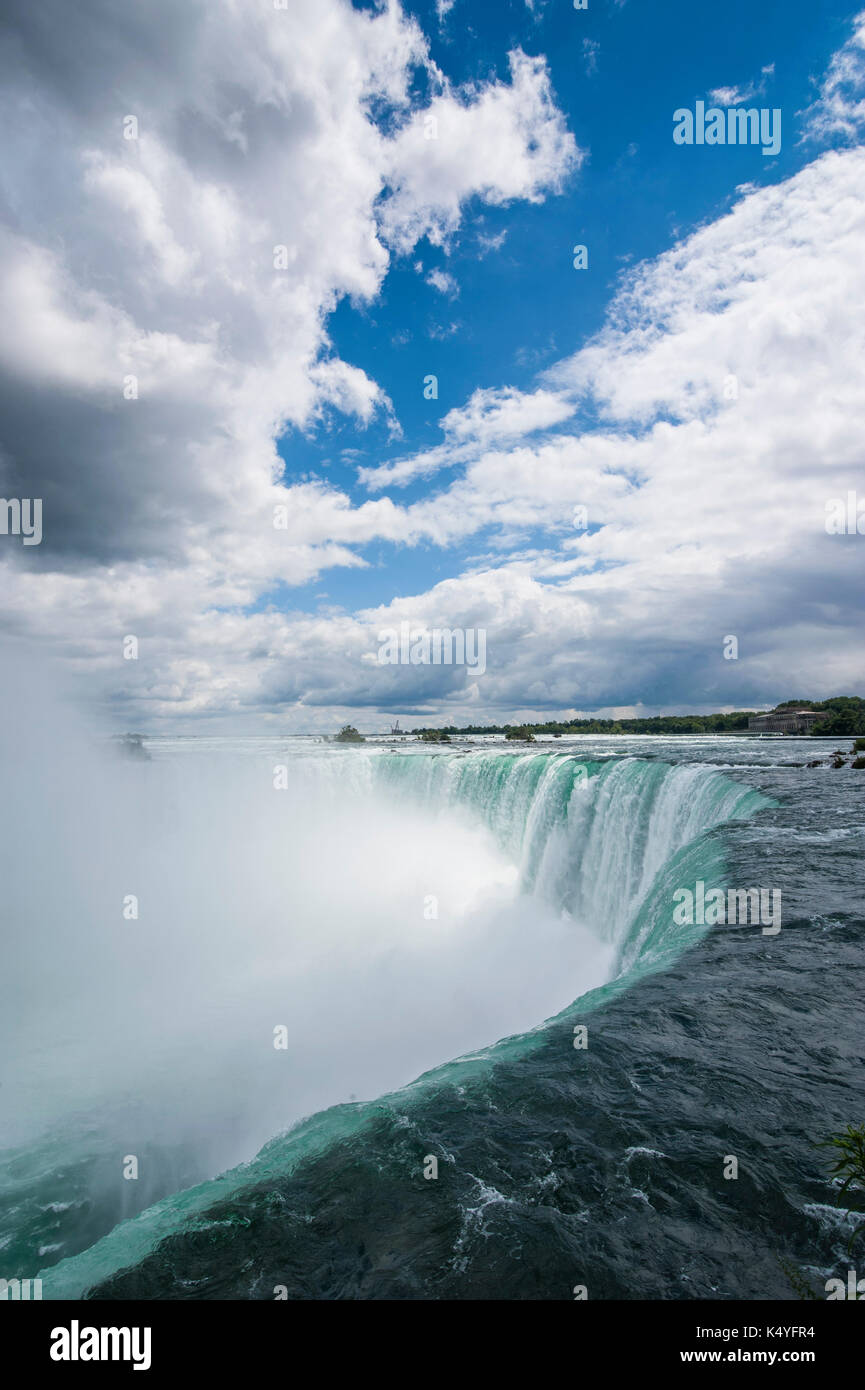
(169, 383)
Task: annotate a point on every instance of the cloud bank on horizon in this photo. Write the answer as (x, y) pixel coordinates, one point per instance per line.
(294, 349)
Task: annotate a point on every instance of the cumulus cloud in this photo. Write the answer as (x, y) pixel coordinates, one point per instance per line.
(173, 241)
(499, 142)
(728, 386)
(169, 271)
(163, 318)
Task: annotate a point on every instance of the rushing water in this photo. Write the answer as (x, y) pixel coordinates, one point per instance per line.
(429, 928)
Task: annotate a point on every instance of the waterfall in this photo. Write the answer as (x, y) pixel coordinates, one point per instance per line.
(595, 850)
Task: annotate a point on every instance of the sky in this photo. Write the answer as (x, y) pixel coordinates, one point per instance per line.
(294, 351)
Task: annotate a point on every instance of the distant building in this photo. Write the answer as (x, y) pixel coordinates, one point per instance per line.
(785, 721)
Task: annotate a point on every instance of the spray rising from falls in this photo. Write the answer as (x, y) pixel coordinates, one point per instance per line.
(600, 841)
(307, 911)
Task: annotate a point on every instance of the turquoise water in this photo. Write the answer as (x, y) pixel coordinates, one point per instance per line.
(605, 842)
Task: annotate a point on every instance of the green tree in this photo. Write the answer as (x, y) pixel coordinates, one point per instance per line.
(848, 1150)
(349, 734)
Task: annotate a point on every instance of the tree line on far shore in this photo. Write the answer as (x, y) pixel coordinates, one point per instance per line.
(844, 715)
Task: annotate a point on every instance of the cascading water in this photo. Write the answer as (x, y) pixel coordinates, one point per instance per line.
(601, 841)
(596, 850)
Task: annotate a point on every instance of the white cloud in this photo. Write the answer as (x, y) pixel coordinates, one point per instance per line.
(735, 95)
(444, 282)
(501, 142)
(491, 416)
(202, 259)
(706, 514)
(156, 258)
(840, 107)
(494, 415)
(731, 96)
(491, 243)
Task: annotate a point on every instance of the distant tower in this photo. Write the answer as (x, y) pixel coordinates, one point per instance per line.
(395, 728)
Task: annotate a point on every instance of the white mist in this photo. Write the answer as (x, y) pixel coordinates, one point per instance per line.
(306, 908)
